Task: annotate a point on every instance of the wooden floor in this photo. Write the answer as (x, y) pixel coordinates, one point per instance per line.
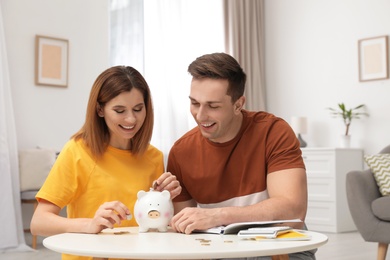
(348, 246)
(342, 246)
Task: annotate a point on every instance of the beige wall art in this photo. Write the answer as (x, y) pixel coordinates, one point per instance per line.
(373, 58)
(51, 61)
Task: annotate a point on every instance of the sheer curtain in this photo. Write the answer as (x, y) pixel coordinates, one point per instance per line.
(11, 226)
(245, 41)
(175, 33)
(127, 33)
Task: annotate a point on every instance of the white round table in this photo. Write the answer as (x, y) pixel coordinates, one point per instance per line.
(128, 243)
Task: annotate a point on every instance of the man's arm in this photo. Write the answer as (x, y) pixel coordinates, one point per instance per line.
(178, 206)
(287, 191)
(290, 187)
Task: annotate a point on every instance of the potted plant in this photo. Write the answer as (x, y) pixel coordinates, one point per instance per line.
(347, 115)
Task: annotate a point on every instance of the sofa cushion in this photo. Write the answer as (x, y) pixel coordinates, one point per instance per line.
(380, 167)
(34, 166)
(381, 208)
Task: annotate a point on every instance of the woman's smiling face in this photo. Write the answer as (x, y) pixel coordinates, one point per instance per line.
(124, 116)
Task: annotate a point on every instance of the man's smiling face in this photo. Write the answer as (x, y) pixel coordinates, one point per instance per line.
(218, 118)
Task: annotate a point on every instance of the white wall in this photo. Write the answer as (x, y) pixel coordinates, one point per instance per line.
(48, 116)
(312, 64)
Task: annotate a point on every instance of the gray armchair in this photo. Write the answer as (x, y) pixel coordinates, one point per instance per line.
(369, 209)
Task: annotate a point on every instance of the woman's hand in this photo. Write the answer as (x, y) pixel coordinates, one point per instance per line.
(108, 214)
(167, 181)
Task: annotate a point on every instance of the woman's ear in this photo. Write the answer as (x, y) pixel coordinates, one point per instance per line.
(99, 110)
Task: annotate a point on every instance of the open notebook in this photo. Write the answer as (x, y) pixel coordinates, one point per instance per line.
(236, 227)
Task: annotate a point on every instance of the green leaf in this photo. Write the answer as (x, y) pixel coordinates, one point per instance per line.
(347, 114)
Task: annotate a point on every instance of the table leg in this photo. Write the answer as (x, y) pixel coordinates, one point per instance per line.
(280, 257)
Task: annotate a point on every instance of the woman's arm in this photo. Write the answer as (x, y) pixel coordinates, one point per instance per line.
(46, 220)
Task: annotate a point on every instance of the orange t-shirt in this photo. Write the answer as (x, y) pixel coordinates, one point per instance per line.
(234, 173)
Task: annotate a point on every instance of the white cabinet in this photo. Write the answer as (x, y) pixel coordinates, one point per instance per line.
(326, 170)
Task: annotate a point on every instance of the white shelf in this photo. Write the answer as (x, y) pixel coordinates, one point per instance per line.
(326, 170)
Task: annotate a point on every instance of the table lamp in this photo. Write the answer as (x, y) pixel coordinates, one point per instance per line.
(299, 125)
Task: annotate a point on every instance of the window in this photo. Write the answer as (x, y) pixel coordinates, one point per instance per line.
(174, 33)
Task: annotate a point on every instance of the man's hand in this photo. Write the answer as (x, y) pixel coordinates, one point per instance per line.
(167, 181)
(189, 219)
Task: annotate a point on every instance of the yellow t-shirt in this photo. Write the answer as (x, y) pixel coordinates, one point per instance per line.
(81, 183)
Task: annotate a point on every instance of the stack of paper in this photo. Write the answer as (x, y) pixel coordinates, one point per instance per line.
(265, 232)
(273, 233)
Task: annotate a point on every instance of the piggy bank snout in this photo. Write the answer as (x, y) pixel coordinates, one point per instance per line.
(154, 214)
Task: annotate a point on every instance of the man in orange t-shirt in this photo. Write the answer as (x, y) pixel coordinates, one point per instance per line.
(236, 165)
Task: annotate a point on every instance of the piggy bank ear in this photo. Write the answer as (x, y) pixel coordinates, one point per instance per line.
(166, 194)
(141, 193)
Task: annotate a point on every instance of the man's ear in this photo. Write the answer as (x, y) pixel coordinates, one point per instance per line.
(99, 110)
(239, 104)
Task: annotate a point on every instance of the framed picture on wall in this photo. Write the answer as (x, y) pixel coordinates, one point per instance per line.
(373, 58)
(51, 61)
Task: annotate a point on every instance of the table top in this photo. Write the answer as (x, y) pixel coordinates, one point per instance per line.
(128, 243)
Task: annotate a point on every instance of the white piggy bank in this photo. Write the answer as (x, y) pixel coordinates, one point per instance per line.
(153, 210)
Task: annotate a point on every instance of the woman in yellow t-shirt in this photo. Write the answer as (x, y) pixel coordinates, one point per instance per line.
(102, 167)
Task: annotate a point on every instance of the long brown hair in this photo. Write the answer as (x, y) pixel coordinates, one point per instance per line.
(220, 66)
(109, 84)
